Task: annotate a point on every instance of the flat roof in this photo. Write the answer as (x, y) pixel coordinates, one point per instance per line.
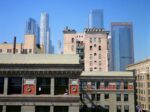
(105, 74)
(39, 59)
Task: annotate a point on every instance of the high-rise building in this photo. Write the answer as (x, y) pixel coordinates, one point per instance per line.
(45, 32)
(91, 45)
(96, 18)
(122, 50)
(32, 28)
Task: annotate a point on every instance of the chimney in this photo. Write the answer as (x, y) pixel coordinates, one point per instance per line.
(14, 46)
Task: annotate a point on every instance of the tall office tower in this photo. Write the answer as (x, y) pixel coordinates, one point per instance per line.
(45, 32)
(96, 18)
(32, 28)
(91, 45)
(122, 45)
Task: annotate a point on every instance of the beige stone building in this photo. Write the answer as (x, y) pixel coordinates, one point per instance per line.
(142, 73)
(91, 45)
(107, 92)
(28, 47)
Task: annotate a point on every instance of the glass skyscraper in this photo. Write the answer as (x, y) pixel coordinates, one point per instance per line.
(32, 28)
(96, 18)
(45, 32)
(122, 51)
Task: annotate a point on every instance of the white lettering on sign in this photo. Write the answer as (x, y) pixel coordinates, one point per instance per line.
(29, 81)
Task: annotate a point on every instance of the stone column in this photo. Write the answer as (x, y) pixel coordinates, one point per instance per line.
(52, 109)
(52, 85)
(4, 108)
(27, 108)
(5, 85)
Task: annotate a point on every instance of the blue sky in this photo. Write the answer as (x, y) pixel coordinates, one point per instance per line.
(74, 13)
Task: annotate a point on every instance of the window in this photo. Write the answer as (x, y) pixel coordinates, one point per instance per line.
(98, 85)
(1, 85)
(94, 54)
(90, 40)
(98, 97)
(118, 85)
(107, 108)
(125, 85)
(90, 47)
(118, 108)
(99, 40)
(100, 63)
(14, 85)
(43, 86)
(94, 39)
(91, 69)
(94, 45)
(106, 96)
(125, 97)
(0, 50)
(118, 97)
(13, 108)
(16, 50)
(90, 63)
(90, 56)
(93, 97)
(126, 108)
(9, 50)
(30, 50)
(99, 56)
(72, 40)
(95, 68)
(106, 84)
(99, 47)
(42, 109)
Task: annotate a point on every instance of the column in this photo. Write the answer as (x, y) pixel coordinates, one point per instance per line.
(4, 108)
(52, 85)
(5, 85)
(52, 109)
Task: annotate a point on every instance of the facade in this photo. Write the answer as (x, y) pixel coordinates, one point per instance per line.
(50, 84)
(96, 18)
(122, 45)
(28, 47)
(107, 92)
(32, 28)
(142, 73)
(91, 45)
(45, 34)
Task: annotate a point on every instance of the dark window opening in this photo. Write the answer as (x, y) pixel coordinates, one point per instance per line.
(90, 47)
(98, 97)
(61, 86)
(125, 97)
(14, 85)
(118, 85)
(106, 96)
(1, 108)
(106, 84)
(118, 97)
(42, 109)
(1, 85)
(99, 47)
(93, 97)
(106, 108)
(118, 108)
(126, 108)
(43, 86)
(98, 85)
(60, 108)
(125, 85)
(13, 109)
(72, 40)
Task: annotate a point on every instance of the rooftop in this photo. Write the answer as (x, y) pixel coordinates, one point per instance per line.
(105, 74)
(39, 59)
